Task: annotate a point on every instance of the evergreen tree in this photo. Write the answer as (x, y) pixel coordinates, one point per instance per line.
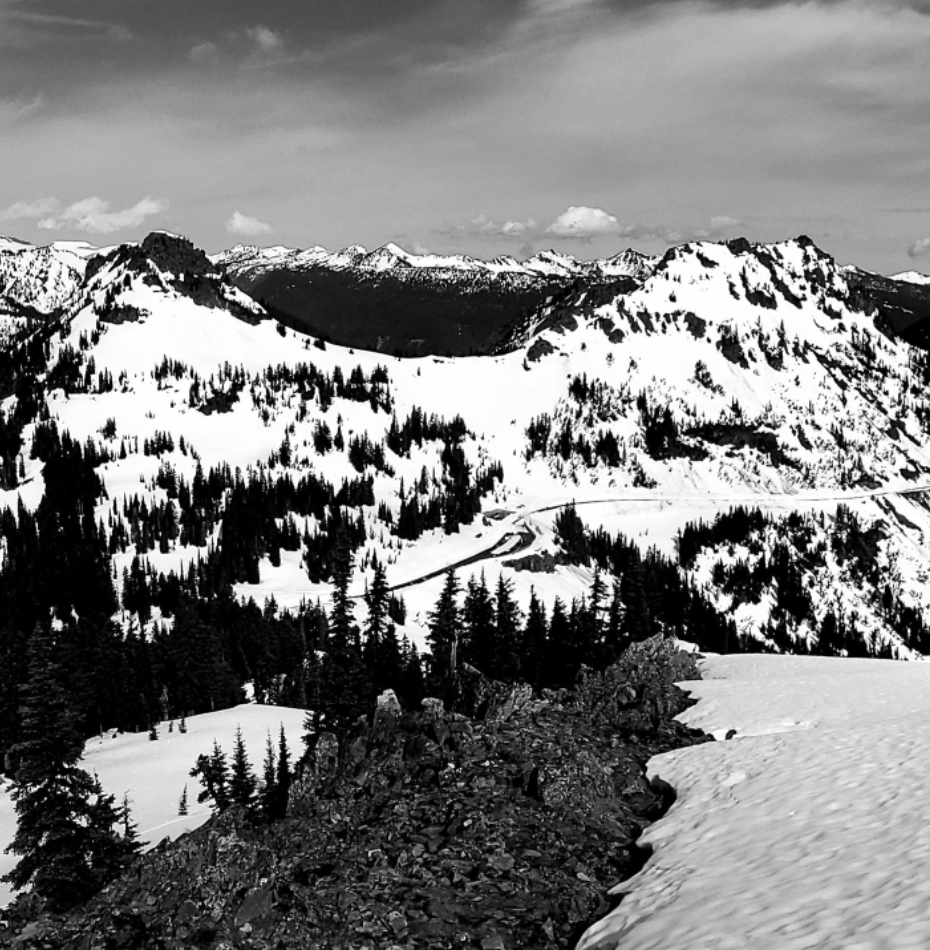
(283, 777)
(242, 779)
(182, 804)
(345, 689)
(213, 773)
(382, 650)
(573, 537)
(444, 628)
(614, 640)
(593, 639)
(507, 631)
(556, 669)
(110, 852)
(412, 689)
(533, 642)
(65, 835)
(377, 600)
(478, 637)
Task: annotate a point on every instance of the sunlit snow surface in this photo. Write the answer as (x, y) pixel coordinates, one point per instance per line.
(809, 829)
(154, 774)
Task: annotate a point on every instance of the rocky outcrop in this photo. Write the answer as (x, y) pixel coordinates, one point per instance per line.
(422, 830)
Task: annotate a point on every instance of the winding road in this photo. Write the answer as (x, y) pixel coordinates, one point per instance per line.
(520, 536)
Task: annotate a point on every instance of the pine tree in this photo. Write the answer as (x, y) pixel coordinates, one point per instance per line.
(213, 772)
(614, 640)
(411, 690)
(110, 852)
(533, 642)
(570, 530)
(65, 835)
(345, 689)
(269, 776)
(593, 639)
(182, 804)
(478, 627)
(377, 600)
(242, 779)
(507, 631)
(282, 776)
(556, 671)
(444, 629)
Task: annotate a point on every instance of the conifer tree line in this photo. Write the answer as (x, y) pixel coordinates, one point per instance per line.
(233, 782)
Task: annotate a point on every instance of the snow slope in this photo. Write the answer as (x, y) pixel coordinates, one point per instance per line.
(805, 830)
(912, 277)
(154, 774)
(782, 388)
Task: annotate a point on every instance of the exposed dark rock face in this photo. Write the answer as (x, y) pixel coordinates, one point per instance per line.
(427, 830)
(544, 563)
(175, 262)
(538, 349)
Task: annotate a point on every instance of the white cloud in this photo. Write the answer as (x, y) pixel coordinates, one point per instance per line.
(722, 222)
(517, 228)
(420, 249)
(30, 209)
(584, 223)
(249, 227)
(263, 39)
(484, 226)
(94, 215)
(920, 248)
(204, 52)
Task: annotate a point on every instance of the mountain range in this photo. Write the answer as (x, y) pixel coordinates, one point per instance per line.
(655, 394)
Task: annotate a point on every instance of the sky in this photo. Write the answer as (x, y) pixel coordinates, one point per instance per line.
(470, 126)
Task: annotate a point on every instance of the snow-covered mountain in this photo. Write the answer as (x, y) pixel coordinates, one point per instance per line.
(728, 374)
(36, 282)
(247, 263)
(912, 277)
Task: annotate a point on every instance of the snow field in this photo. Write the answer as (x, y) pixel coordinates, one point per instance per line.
(154, 774)
(807, 830)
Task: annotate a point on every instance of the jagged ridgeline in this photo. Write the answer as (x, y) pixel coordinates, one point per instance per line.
(187, 483)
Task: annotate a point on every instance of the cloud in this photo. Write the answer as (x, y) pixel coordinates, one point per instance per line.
(244, 225)
(94, 215)
(30, 209)
(420, 249)
(583, 223)
(920, 248)
(204, 52)
(483, 226)
(14, 110)
(55, 22)
(264, 40)
(722, 222)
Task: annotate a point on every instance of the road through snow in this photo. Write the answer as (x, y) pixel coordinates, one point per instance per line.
(512, 523)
